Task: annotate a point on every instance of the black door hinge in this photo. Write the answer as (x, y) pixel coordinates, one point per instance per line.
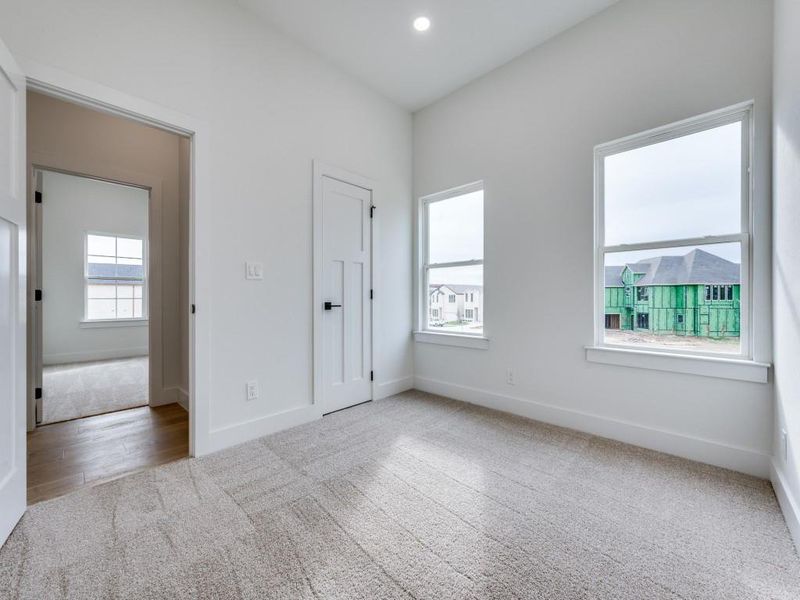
(37, 197)
(372, 375)
(372, 211)
(37, 394)
(193, 309)
(37, 295)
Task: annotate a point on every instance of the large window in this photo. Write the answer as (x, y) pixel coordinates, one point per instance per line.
(673, 229)
(452, 260)
(115, 278)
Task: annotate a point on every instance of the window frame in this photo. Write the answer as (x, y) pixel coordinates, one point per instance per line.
(145, 280)
(424, 333)
(740, 113)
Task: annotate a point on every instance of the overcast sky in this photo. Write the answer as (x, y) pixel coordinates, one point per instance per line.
(683, 188)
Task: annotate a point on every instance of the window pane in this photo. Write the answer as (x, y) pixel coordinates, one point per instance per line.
(683, 307)
(682, 188)
(448, 300)
(101, 244)
(129, 248)
(125, 308)
(102, 260)
(125, 291)
(455, 228)
(129, 261)
(137, 291)
(137, 308)
(101, 291)
(101, 309)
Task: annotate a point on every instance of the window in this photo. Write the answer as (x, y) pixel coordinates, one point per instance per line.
(672, 220)
(115, 277)
(451, 254)
(469, 314)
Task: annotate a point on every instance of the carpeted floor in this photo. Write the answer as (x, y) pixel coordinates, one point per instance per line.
(412, 497)
(79, 390)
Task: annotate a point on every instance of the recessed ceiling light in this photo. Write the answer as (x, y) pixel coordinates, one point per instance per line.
(422, 23)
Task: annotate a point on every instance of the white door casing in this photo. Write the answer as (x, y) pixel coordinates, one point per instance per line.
(13, 291)
(343, 276)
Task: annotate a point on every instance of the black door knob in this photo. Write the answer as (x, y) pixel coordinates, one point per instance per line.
(330, 305)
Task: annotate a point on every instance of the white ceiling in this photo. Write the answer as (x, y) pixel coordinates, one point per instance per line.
(374, 39)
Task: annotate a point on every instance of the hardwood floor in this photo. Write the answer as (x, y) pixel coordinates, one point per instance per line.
(66, 456)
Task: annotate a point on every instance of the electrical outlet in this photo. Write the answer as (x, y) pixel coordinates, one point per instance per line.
(785, 445)
(252, 390)
(510, 376)
(254, 270)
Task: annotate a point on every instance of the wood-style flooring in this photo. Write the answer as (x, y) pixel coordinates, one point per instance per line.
(64, 457)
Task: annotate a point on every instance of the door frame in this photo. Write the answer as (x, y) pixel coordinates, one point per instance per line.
(320, 170)
(153, 264)
(65, 86)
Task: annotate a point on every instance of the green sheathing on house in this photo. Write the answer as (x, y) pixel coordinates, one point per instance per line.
(708, 309)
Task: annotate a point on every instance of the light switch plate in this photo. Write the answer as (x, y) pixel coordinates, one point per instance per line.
(254, 270)
(252, 390)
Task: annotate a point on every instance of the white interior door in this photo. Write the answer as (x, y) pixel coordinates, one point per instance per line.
(13, 258)
(346, 315)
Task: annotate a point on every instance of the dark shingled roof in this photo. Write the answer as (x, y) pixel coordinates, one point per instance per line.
(696, 267)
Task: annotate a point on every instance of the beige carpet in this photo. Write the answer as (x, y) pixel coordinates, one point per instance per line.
(78, 390)
(412, 497)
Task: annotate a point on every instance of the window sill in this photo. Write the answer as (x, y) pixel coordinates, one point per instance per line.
(452, 339)
(708, 366)
(98, 323)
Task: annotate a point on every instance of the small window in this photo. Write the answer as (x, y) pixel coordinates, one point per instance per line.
(451, 231)
(729, 292)
(643, 321)
(642, 294)
(679, 319)
(468, 314)
(715, 292)
(114, 278)
(708, 292)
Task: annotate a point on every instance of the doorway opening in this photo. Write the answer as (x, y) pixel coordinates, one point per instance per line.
(109, 316)
(92, 260)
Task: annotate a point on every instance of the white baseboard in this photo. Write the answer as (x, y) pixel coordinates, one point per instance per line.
(710, 452)
(240, 433)
(90, 355)
(789, 504)
(183, 398)
(395, 386)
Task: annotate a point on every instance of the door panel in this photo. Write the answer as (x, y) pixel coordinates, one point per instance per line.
(13, 259)
(346, 260)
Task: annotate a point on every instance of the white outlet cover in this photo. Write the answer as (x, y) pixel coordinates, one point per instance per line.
(254, 270)
(252, 390)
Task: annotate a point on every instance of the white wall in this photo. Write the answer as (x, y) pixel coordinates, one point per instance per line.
(786, 198)
(270, 108)
(75, 206)
(528, 130)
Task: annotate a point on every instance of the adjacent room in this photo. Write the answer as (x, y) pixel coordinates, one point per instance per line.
(477, 299)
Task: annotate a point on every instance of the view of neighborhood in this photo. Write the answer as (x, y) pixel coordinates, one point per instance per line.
(456, 308)
(691, 301)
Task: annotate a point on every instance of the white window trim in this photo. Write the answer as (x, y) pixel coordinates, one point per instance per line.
(86, 322)
(422, 333)
(670, 359)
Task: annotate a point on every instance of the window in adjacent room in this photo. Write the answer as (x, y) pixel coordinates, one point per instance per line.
(115, 279)
(451, 251)
(672, 220)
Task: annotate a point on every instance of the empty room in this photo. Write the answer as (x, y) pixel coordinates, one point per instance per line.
(393, 299)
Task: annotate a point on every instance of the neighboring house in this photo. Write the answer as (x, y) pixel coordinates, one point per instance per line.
(697, 294)
(455, 304)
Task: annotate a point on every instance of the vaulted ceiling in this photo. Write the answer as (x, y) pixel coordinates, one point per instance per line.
(374, 39)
